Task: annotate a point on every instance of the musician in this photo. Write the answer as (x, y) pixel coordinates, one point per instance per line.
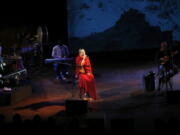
(166, 66)
(60, 51)
(85, 76)
(65, 50)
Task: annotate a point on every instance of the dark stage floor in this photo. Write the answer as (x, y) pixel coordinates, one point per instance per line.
(120, 94)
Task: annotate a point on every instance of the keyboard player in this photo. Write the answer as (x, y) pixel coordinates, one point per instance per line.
(60, 51)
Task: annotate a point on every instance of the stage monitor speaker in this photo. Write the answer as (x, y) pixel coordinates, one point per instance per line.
(76, 107)
(16, 95)
(173, 97)
(149, 81)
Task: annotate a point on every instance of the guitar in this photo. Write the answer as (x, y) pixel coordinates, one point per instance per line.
(165, 59)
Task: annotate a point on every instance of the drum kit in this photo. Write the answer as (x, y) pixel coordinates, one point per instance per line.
(12, 72)
(12, 69)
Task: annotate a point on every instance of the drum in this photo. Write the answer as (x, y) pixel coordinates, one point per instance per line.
(15, 62)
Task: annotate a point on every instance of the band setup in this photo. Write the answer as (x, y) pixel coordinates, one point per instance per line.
(167, 69)
(75, 69)
(166, 66)
(12, 72)
(16, 62)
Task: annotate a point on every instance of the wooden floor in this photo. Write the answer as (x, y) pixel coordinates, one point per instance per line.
(119, 87)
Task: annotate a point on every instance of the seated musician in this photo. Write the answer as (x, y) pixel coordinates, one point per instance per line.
(60, 51)
(166, 67)
(85, 76)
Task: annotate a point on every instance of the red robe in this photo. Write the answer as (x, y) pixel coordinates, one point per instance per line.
(86, 81)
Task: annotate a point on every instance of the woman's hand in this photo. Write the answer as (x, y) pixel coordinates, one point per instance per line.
(83, 61)
(88, 73)
(84, 57)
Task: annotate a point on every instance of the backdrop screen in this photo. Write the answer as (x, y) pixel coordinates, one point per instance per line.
(114, 25)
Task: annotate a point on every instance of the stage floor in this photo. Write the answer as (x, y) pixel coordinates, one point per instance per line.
(120, 92)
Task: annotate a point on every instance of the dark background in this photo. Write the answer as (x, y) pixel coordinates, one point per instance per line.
(33, 14)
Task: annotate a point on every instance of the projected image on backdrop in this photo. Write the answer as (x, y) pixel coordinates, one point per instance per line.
(111, 25)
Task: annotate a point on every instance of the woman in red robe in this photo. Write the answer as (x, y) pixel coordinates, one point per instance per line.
(85, 76)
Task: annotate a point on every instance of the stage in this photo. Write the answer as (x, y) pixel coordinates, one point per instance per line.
(120, 92)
